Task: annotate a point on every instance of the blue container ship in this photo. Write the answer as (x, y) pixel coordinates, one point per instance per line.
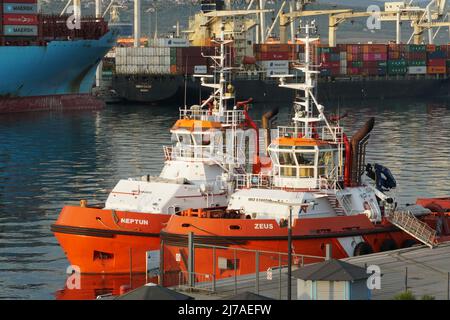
(55, 70)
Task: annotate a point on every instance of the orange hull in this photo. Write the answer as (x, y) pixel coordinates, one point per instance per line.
(310, 237)
(106, 241)
(435, 203)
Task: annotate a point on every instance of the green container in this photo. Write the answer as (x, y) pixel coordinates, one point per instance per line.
(382, 64)
(357, 64)
(324, 50)
(173, 56)
(397, 70)
(396, 63)
(448, 63)
(416, 48)
(417, 63)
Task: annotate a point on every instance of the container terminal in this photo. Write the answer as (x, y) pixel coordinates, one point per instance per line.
(154, 68)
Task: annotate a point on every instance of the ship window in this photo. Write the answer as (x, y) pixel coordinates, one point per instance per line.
(287, 159)
(234, 227)
(305, 159)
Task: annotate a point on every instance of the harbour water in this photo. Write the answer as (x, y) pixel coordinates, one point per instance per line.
(48, 160)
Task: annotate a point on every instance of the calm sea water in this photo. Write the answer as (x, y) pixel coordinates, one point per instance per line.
(48, 160)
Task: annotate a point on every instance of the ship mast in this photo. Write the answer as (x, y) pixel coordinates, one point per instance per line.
(220, 96)
(304, 117)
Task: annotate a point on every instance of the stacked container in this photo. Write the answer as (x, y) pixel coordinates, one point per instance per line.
(272, 52)
(275, 67)
(143, 60)
(343, 58)
(355, 56)
(191, 59)
(374, 59)
(330, 61)
(275, 58)
(397, 63)
(416, 56)
(19, 18)
(436, 59)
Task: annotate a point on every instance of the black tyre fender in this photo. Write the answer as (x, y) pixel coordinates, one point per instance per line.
(388, 245)
(362, 249)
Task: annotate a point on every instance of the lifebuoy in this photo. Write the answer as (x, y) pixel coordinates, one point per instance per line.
(362, 249)
(388, 245)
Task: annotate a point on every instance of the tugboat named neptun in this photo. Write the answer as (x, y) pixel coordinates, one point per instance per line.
(315, 187)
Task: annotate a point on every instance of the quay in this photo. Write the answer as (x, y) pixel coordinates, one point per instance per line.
(419, 269)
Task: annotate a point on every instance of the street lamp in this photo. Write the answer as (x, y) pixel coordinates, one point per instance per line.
(289, 271)
(289, 283)
(150, 11)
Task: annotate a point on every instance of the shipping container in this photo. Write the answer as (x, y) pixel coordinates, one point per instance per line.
(30, 8)
(267, 56)
(20, 30)
(277, 72)
(20, 19)
(436, 70)
(374, 49)
(274, 64)
(411, 48)
(396, 63)
(417, 70)
(353, 71)
(436, 62)
(20, 1)
(201, 69)
(395, 70)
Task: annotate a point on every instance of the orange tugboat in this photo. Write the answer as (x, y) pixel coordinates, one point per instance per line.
(316, 191)
(209, 148)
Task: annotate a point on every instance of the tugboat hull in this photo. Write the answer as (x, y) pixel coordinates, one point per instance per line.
(107, 241)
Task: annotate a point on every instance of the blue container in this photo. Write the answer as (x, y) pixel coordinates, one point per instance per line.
(11, 30)
(437, 55)
(335, 57)
(20, 8)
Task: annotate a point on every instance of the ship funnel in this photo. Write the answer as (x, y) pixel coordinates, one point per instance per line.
(267, 119)
(358, 146)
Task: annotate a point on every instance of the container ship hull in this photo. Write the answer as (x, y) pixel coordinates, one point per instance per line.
(147, 89)
(172, 88)
(57, 76)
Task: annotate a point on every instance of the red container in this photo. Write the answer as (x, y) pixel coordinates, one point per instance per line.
(413, 56)
(20, 19)
(374, 56)
(267, 56)
(374, 48)
(370, 64)
(353, 71)
(20, 1)
(437, 62)
(330, 65)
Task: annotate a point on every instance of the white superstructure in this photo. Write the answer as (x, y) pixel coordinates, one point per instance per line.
(309, 165)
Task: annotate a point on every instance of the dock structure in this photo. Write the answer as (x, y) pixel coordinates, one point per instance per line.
(421, 270)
